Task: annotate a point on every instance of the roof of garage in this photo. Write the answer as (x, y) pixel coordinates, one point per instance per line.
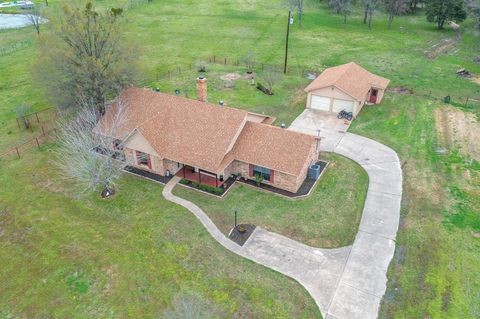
(350, 78)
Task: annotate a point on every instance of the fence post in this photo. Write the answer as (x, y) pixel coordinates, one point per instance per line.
(36, 114)
(43, 130)
(466, 101)
(225, 61)
(213, 59)
(38, 144)
(18, 123)
(18, 153)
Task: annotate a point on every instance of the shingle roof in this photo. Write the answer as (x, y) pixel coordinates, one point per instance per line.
(350, 78)
(201, 134)
(273, 147)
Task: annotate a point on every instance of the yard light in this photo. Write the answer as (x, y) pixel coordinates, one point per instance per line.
(177, 92)
(221, 102)
(291, 20)
(235, 212)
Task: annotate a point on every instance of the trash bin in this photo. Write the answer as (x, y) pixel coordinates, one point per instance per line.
(314, 171)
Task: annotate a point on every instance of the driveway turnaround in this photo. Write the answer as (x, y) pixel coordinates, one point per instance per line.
(347, 282)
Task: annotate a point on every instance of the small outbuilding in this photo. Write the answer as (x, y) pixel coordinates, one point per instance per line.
(345, 87)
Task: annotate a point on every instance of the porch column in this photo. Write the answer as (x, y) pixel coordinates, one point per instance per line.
(183, 171)
(216, 180)
(199, 177)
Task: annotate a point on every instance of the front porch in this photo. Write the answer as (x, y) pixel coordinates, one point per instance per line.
(201, 176)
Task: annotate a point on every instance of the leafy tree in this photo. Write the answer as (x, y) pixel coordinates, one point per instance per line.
(340, 7)
(474, 11)
(395, 8)
(413, 5)
(441, 11)
(86, 61)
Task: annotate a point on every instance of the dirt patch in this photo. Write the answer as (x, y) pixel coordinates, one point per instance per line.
(401, 90)
(443, 46)
(475, 79)
(460, 129)
(231, 77)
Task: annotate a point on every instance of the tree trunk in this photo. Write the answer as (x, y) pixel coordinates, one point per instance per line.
(366, 14)
(440, 24)
(345, 17)
(390, 20)
(370, 19)
(46, 3)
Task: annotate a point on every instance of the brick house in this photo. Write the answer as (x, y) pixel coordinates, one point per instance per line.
(207, 143)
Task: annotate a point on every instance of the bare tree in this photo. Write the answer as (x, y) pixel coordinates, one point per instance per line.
(296, 5)
(86, 58)
(34, 17)
(270, 77)
(91, 151)
(395, 8)
(23, 110)
(369, 7)
(250, 61)
(191, 305)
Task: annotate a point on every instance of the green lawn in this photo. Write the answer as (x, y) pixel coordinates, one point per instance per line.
(434, 273)
(328, 218)
(70, 256)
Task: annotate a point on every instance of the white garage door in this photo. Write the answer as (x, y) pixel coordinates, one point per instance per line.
(339, 105)
(321, 103)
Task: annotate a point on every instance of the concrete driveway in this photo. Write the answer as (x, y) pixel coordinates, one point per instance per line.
(347, 282)
(314, 122)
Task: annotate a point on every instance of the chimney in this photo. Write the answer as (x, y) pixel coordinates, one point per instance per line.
(202, 89)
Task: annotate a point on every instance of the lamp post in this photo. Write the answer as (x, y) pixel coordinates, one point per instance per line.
(289, 22)
(235, 212)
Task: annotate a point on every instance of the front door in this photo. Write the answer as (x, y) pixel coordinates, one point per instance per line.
(373, 96)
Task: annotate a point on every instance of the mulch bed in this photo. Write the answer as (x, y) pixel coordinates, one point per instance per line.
(241, 238)
(226, 185)
(147, 174)
(302, 191)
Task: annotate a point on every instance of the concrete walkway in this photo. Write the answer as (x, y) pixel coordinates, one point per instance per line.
(347, 282)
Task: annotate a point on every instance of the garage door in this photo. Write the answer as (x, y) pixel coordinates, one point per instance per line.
(339, 105)
(321, 103)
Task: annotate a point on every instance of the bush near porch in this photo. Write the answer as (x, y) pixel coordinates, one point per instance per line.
(328, 218)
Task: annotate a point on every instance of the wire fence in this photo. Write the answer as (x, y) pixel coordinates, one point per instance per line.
(44, 118)
(35, 142)
(237, 62)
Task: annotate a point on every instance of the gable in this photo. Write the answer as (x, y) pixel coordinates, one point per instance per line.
(138, 142)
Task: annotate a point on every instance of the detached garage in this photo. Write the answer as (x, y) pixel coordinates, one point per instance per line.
(345, 87)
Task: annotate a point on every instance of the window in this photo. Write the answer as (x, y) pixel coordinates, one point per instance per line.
(262, 171)
(143, 159)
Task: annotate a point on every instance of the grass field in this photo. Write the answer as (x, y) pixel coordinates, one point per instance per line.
(65, 256)
(328, 218)
(434, 272)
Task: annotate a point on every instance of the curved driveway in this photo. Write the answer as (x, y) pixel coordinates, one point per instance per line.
(347, 282)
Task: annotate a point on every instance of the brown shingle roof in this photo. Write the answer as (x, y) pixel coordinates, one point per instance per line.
(184, 130)
(273, 147)
(350, 78)
(201, 134)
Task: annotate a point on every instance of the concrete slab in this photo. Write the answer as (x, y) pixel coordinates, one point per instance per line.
(380, 214)
(350, 303)
(314, 122)
(367, 265)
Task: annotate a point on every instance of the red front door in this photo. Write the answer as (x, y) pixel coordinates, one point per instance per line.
(373, 96)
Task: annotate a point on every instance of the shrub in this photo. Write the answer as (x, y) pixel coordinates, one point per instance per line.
(202, 66)
(258, 179)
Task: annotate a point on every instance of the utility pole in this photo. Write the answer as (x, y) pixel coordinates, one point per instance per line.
(286, 42)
